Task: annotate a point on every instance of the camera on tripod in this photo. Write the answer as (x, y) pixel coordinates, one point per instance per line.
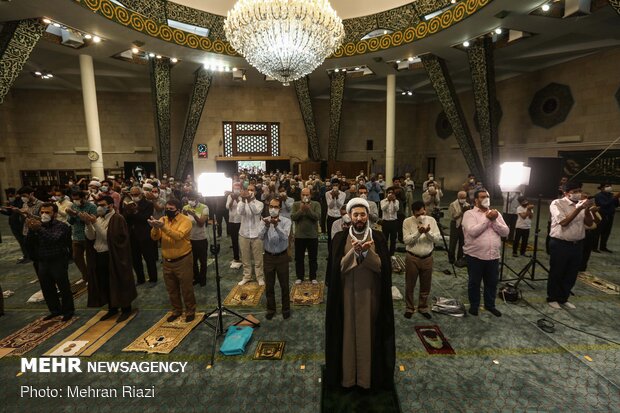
(437, 214)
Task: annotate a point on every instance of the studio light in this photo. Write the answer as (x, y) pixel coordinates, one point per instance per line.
(513, 175)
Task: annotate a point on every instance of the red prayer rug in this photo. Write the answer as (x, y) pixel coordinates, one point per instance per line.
(433, 340)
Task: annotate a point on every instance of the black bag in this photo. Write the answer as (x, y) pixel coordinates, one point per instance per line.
(509, 293)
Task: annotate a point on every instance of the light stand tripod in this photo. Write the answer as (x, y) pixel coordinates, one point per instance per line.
(531, 265)
(218, 326)
(443, 237)
(503, 264)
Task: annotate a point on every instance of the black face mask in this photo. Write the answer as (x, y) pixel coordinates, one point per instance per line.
(171, 214)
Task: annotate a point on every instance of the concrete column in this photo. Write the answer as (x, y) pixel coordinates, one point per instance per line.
(390, 122)
(89, 95)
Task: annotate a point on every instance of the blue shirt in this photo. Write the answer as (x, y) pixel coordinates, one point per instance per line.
(607, 202)
(275, 239)
(77, 225)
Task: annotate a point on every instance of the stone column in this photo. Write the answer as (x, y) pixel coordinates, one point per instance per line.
(89, 95)
(390, 121)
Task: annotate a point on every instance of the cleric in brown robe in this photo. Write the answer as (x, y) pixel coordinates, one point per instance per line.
(359, 329)
(112, 282)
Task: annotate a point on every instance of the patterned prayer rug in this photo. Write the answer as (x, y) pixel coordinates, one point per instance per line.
(269, 350)
(307, 293)
(163, 337)
(86, 340)
(598, 283)
(247, 295)
(398, 264)
(35, 333)
(433, 340)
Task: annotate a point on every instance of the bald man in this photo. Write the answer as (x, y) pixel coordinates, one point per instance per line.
(456, 211)
(306, 215)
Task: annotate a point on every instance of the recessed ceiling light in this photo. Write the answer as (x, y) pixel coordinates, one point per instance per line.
(398, 61)
(385, 32)
(466, 43)
(135, 50)
(38, 73)
(337, 70)
(410, 59)
(403, 93)
(47, 21)
(545, 7)
(88, 36)
(452, 1)
(151, 54)
(158, 56)
(234, 69)
(357, 68)
(410, 93)
(498, 30)
(50, 75)
(56, 24)
(96, 39)
(174, 60)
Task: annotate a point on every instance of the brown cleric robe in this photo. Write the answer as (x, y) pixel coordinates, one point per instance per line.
(121, 284)
(359, 326)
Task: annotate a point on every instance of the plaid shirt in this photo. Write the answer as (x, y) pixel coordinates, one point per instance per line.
(51, 241)
(76, 223)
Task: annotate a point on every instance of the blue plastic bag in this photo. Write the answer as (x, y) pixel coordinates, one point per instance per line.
(236, 340)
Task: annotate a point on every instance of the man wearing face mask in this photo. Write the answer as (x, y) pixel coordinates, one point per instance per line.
(306, 214)
(334, 200)
(174, 230)
(47, 240)
(525, 212)
(570, 216)
(431, 178)
(359, 328)
(108, 189)
(390, 206)
(409, 187)
(469, 186)
(607, 203)
(30, 205)
(113, 282)
(137, 213)
(483, 228)
(275, 235)
(373, 211)
(456, 211)
(250, 210)
(432, 196)
(83, 251)
(198, 213)
(294, 191)
(63, 203)
(420, 233)
(343, 223)
(234, 223)
(94, 191)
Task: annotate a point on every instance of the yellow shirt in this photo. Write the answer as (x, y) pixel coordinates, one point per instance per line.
(174, 236)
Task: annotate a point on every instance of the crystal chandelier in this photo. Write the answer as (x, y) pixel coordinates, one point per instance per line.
(284, 39)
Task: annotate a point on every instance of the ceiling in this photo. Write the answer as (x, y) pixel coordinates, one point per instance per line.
(346, 9)
(556, 41)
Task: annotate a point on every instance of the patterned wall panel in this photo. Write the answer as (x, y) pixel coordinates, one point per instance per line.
(482, 68)
(153, 9)
(305, 105)
(17, 40)
(202, 83)
(210, 21)
(442, 83)
(336, 95)
(160, 91)
(551, 105)
(443, 128)
(616, 5)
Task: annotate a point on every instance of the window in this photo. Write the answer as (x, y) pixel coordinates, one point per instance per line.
(251, 139)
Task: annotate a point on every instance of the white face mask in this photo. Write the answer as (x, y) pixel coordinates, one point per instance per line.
(101, 211)
(46, 218)
(346, 219)
(104, 189)
(274, 212)
(305, 198)
(364, 196)
(576, 197)
(136, 198)
(461, 201)
(486, 202)
(192, 203)
(608, 189)
(25, 199)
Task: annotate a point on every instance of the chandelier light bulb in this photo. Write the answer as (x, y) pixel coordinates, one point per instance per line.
(96, 39)
(284, 39)
(410, 93)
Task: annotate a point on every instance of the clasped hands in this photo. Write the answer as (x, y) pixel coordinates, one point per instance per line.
(155, 223)
(87, 218)
(360, 246)
(268, 221)
(492, 214)
(424, 229)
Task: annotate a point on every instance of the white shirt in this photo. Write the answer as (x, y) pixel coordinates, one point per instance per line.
(251, 222)
(198, 233)
(231, 205)
(62, 209)
(287, 207)
(334, 204)
(560, 209)
(416, 243)
(523, 223)
(456, 212)
(390, 209)
(99, 232)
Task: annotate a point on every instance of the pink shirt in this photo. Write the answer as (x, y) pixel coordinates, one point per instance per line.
(483, 236)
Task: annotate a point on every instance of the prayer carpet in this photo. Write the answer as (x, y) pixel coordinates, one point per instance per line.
(269, 350)
(307, 293)
(433, 340)
(247, 295)
(86, 340)
(598, 283)
(35, 333)
(163, 337)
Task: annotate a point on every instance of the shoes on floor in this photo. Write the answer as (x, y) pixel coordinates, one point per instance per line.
(243, 282)
(109, 314)
(494, 311)
(124, 316)
(473, 311)
(67, 317)
(23, 260)
(605, 250)
(172, 318)
(315, 282)
(428, 316)
(50, 316)
(461, 263)
(554, 304)
(568, 305)
(269, 316)
(261, 282)
(408, 314)
(189, 318)
(235, 265)
(597, 251)
(298, 281)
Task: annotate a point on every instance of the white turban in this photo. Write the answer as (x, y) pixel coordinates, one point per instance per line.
(147, 186)
(96, 179)
(95, 183)
(357, 202)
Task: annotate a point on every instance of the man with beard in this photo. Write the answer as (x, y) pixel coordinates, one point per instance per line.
(359, 341)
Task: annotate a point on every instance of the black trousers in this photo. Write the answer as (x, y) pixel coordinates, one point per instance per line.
(399, 228)
(53, 274)
(390, 230)
(277, 266)
(147, 249)
(330, 222)
(218, 219)
(233, 231)
(324, 229)
(479, 271)
(200, 251)
(604, 232)
(588, 246)
(301, 246)
(521, 236)
(456, 237)
(564, 265)
(102, 271)
(19, 236)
